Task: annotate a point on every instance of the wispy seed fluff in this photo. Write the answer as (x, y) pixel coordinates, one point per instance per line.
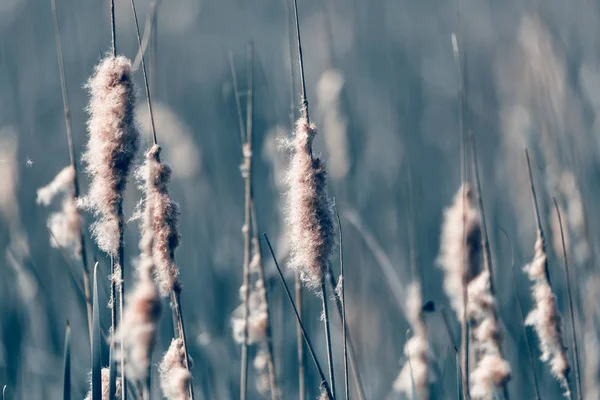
(142, 311)
(105, 386)
(416, 350)
(113, 142)
(154, 176)
(64, 225)
(486, 332)
(309, 209)
(174, 376)
(545, 317)
(452, 247)
(257, 317)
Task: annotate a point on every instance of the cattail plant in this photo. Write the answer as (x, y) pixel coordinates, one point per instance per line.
(251, 320)
(113, 142)
(461, 259)
(491, 369)
(175, 377)
(415, 372)
(452, 247)
(545, 318)
(163, 214)
(143, 307)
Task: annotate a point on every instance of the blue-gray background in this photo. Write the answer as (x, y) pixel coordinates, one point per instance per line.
(533, 79)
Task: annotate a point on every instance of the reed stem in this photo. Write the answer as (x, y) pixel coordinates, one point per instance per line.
(327, 336)
(571, 307)
(324, 383)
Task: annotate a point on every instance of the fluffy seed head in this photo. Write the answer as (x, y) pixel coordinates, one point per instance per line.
(65, 225)
(545, 318)
(491, 371)
(174, 376)
(113, 142)
(154, 176)
(416, 351)
(62, 183)
(309, 209)
(257, 317)
(486, 331)
(462, 213)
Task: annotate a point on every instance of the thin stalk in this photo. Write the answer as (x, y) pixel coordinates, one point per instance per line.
(299, 342)
(268, 335)
(327, 336)
(301, 62)
(522, 316)
(236, 93)
(343, 301)
(352, 354)
(297, 281)
(246, 230)
(146, 86)
(180, 329)
(96, 345)
(304, 334)
(67, 112)
(67, 364)
(464, 348)
(113, 28)
(121, 302)
(487, 253)
(538, 220)
(571, 308)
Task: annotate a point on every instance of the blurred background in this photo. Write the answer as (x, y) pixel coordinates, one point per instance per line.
(382, 87)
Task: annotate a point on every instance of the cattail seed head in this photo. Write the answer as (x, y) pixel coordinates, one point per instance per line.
(174, 376)
(490, 367)
(309, 209)
(65, 225)
(462, 213)
(545, 318)
(416, 350)
(154, 176)
(113, 142)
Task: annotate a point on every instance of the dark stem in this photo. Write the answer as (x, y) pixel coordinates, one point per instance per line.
(121, 301)
(148, 98)
(180, 329)
(327, 335)
(67, 364)
(299, 342)
(352, 353)
(292, 74)
(301, 62)
(304, 334)
(538, 220)
(113, 29)
(571, 308)
(343, 301)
